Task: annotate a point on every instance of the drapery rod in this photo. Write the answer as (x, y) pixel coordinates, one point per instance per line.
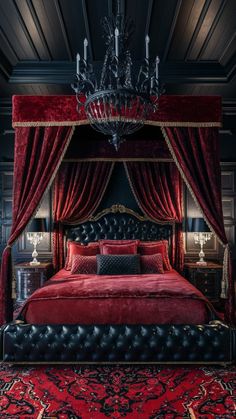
(169, 160)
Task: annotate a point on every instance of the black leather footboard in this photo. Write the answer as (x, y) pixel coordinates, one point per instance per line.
(26, 343)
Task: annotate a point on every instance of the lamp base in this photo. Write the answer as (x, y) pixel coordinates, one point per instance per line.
(201, 262)
(34, 262)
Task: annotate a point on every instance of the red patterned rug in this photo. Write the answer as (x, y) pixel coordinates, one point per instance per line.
(136, 392)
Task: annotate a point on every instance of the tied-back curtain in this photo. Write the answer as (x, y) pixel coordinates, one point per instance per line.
(78, 190)
(158, 191)
(38, 152)
(196, 153)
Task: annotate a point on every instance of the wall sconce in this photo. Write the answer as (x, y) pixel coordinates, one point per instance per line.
(202, 234)
(35, 234)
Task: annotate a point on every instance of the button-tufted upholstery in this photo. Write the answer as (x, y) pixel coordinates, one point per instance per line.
(118, 343)
(119, 226)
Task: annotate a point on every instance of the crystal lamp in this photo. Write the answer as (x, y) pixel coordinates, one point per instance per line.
(35, 234)
(202, 234)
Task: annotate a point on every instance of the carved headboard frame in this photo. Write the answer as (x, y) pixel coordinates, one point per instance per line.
(119, 222)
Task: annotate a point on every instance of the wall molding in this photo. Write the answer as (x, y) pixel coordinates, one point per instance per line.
(62, 72)
(5, 106)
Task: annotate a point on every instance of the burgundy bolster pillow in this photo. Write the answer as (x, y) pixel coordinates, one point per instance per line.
(152, 264)
(84, 265)
(75, 248)
(151, 248)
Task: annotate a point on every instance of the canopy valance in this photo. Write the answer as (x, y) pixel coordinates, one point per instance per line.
(195, 111)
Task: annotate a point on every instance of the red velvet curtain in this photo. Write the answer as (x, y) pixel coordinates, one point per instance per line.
(196, 152)
(158, 191)
(38, 152)
(78, 190)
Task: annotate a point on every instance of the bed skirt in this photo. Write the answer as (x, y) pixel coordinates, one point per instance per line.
(44, 344)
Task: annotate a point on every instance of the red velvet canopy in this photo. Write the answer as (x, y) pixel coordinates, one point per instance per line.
(199, 115)
(61, 110)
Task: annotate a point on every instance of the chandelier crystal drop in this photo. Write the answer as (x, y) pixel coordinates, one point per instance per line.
(118, 102)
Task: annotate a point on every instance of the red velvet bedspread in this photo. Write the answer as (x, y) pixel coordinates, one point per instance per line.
(95, 299)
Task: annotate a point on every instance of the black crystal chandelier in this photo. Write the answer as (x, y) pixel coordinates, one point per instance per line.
(118, 102)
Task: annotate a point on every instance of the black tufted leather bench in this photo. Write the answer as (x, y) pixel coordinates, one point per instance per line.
(26, 343)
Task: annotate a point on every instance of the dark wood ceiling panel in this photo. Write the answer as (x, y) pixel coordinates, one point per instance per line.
(224, 31)
(185, 27)
(63, 28)
(13, 25)
(7, 48)
(74, 24)
(224, 90)
(212, 29)
(162, 25)
(138, 12)
(95, 12)
(211, 15)
(33, 27)
(51, 26)
(195, 39)
(229, 50)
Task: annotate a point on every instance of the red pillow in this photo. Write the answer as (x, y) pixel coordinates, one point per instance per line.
(150, 248)
(84, 264)
(152, 264)
(118, 249)
(75, 248)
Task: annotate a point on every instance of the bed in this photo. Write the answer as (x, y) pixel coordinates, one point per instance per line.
(122, 318)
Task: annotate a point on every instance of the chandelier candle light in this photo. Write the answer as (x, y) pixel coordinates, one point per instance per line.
(119, 102)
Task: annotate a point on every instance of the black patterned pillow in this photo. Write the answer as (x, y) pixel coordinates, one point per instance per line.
(118, 264)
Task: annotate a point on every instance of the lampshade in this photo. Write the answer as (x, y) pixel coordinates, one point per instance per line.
(38, 225)
(197, 225)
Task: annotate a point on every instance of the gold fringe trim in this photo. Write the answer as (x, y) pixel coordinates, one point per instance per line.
(50, 123)
(156, 220)
(224, 281)
(183, 124)
(86, 122)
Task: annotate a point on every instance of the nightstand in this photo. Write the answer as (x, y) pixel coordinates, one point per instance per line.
(30, 277)
(207, 278)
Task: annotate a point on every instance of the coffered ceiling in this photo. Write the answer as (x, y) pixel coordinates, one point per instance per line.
(195, 39)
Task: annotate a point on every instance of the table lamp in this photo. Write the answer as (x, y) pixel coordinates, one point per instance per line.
(202, 234)
(35, 234)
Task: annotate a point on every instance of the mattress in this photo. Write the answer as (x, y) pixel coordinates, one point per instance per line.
(128, 299)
